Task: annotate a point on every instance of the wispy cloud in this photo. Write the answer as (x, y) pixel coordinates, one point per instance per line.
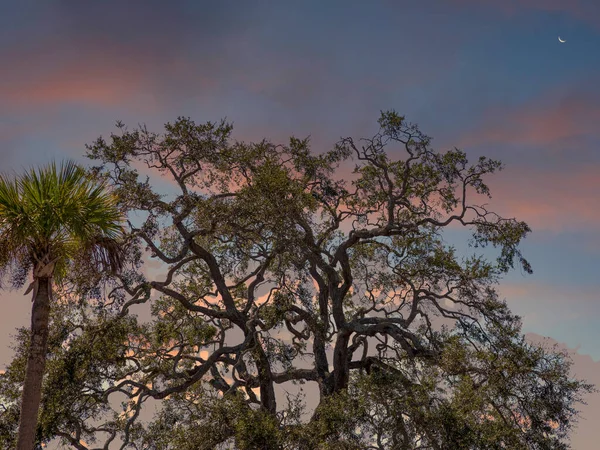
(554, 117)
(549, 200)
(549, 144)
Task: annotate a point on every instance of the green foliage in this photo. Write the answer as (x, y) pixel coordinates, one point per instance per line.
(53, 215)
(282, 268)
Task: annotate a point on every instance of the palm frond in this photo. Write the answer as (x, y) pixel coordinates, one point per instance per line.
(58, 212)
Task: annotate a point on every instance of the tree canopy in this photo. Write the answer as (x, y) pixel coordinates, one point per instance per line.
(285, 271)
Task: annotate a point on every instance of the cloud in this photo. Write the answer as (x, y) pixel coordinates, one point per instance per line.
(103, 54)
(106, 55)
(88, 83)
(84, 66)
(103, 74)
(549, 200)
(549, 147)
(71, 70)
(553, 117)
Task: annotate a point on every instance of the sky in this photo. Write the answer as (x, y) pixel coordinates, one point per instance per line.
(487, 76)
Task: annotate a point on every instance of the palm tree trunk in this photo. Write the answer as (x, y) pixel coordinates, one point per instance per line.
(32, 388)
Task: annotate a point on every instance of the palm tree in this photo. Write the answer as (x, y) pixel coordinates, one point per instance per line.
(49, 218)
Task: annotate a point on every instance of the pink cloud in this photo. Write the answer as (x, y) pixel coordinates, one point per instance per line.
(555, 200)
(33, 78)
(95, 71)
(544, 121)
(551, 197)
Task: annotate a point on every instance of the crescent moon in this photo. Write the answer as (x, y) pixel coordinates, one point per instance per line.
(561, 40)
